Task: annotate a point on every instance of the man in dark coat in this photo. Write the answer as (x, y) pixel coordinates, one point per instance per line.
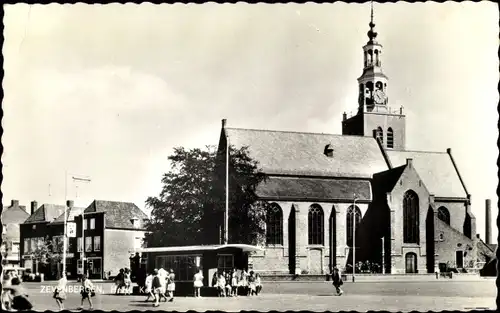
(337, 281)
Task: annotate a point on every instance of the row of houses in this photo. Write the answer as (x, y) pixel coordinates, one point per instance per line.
(112, 232)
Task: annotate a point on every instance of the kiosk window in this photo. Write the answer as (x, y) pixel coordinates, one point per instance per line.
(225, 262)
(184, 266)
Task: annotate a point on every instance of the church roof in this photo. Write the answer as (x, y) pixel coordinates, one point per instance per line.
(436, 170)
(302, 154)
(295, 188)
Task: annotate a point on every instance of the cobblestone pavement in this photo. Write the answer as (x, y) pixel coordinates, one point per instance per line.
(314, 296)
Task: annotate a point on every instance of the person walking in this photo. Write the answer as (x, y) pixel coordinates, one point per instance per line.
(87, 292)
(157, 288)
(119, 281)
(337, 281)
(60, 291)
(171, 285)
(127, 281)
(149, 287)
(198, 283)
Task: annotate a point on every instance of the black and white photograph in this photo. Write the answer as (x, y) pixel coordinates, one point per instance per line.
(250, 157)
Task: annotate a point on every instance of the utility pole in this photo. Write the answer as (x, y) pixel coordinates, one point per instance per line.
(354, 213)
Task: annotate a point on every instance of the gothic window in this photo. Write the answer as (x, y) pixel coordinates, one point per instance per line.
(410, 217)
(444, 215)
(353, 216)
(316, 225)
(380, 135)
(390, 138)
(274, 225)
(467, 226)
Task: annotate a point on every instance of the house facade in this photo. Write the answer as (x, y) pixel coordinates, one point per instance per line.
(12, 217)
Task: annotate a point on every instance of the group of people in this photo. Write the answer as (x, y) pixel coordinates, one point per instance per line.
(231, 283)
(160, 284)
(123, 281)
(14, 296)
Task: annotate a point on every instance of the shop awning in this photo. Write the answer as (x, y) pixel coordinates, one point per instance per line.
(243, 247)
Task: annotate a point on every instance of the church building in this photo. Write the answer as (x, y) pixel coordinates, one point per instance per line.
(359, 195)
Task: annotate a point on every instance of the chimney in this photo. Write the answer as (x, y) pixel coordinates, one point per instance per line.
(34, 206)
(344, 116)
(409, 162)
(224, 122)
(14, 203)
(70, 203)
(488, 221)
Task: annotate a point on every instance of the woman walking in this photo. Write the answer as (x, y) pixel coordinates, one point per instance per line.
(156, 287)
(87, 292)
(60, 292)
(337, 281)
(149, 287)
(119, 281)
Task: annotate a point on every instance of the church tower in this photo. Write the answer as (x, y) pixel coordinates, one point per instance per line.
(374, 116)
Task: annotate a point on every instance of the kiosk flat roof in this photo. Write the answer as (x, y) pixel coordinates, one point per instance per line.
(243, 247)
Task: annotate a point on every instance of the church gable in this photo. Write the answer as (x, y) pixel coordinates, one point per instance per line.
(436, 169)
(309, 154)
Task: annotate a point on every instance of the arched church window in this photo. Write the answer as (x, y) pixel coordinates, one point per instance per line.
(316, 225)
(366, 59)
(370, 57)
(274, 225)
(467, 226)
(411, 263)
(410, 217)
(376, 57)
(444, 215)
(390, 138)
(353, 216)
(380, 135)
(369, 88)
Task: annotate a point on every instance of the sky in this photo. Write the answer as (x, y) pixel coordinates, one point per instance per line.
(107, 91)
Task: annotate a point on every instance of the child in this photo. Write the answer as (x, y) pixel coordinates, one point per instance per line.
(234, 284)
(198, 283)
(227, 277)
(87, 291)
(251, 285)
(60, 292)
(221, 284)
(156, 287)
(127, 282)
(119, 281)
(149, 287)
(258, 284)
(171, 285)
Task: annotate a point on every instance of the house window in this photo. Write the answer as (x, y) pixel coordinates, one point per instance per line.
(410, 217)
(57, 243)
(316, 225)
(390, 138)
(85, 224)
(138, 242)
(274, 225)
(26, 247)
(88, 244)
(353, 216)
(15, 247)
(79, 244)
(92, 223)
(97, 243)
(33, 244)
(444, 215)
(135, 222)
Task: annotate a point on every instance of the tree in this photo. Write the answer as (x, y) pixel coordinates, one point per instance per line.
(48, 250)
(189, 208)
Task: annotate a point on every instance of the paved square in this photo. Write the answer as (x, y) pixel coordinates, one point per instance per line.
(314, 296)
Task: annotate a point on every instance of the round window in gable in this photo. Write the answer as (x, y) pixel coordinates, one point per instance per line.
(441, 237)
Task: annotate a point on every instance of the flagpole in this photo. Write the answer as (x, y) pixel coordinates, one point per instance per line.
(226, 215)
(65, 235)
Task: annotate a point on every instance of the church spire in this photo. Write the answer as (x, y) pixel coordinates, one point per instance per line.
(372, 34)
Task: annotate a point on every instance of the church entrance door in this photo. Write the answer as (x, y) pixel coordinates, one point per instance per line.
(411, 263)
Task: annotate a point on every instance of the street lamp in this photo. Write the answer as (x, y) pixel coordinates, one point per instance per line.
(354, 237)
